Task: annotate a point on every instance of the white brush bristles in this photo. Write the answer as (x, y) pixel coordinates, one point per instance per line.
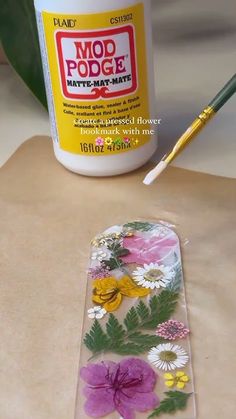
(154, 173)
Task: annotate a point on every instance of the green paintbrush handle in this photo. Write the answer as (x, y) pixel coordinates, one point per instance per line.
(225, 94)
(198, 124)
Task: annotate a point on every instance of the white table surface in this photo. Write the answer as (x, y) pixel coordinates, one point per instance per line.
(194, 57)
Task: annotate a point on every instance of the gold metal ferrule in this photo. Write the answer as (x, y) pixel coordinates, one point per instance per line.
(207, 114)
(191, 132)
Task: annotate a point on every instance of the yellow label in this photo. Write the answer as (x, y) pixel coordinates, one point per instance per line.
(99, 79)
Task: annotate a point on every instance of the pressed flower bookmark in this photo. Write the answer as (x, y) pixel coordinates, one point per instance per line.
(135, 358)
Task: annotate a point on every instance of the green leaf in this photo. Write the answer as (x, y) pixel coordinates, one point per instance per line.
(129, 349)
(142, 311)
(147, 341)
(131, 320)
(114, 329)
(175, 400)
(140, 226)
(127, 338)
(162, 308)
(96, 340)
(114, 246)
(19, 37)
(122, 252)
(117, 250)
(177, 283)
(113, 263)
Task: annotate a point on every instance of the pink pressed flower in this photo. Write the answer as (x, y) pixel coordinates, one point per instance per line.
(99, 141)
(99, 272)
(124, 387)
(126, 140)
(172, 330)
(148, 250)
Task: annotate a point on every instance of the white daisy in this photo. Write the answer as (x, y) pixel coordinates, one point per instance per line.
(96, 312)
(168, 357)
(100, 255)
(153, 276)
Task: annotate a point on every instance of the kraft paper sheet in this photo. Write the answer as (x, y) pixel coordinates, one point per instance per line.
(48, 217)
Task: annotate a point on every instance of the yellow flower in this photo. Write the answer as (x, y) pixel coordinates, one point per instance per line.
(179, 380)
(108, 141)
(109, 292)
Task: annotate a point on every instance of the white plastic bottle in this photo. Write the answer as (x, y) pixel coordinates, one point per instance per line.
(98, 68)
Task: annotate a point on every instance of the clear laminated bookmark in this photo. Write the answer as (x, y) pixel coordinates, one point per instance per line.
(135, 359)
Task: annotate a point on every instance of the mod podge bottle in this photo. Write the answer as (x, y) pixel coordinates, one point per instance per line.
(98, 69)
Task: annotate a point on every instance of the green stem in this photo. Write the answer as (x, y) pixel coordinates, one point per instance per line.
(94, 356)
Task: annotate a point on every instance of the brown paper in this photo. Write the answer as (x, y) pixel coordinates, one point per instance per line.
(48, 217)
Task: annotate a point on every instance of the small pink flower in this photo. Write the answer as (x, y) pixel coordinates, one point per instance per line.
(99, 141)
(172, 330)
(126, 140)
(99, 272)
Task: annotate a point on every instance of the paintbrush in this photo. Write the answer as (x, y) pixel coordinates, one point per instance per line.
(198, 124)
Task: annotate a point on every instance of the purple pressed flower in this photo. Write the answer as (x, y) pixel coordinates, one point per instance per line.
(172, 330)
(99, 272)
(124, 387)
